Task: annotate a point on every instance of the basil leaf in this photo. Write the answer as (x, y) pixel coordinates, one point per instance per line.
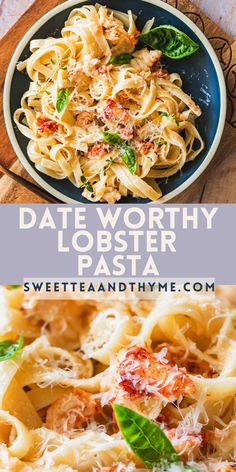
(62, 99)
(170, 41)
(113, 139)
(9, 349)
(144, 437)
(128, 157)
(164, 113)
(124, 58)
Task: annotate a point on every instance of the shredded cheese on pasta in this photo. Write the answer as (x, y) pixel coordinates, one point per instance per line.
(172, 359)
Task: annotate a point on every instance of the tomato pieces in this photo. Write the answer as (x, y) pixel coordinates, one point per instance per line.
(45, 124)
(145, 374)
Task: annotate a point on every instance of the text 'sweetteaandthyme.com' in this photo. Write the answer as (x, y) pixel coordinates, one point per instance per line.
(97, 288)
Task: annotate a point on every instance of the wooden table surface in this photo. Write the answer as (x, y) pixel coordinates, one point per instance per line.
(216, 185)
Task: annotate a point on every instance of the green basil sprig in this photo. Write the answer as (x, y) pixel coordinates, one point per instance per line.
(170, 41)
(113, 139)
(62, 99)
(146, 439)
(127, 153)
(9, 349)
(121, 59)
(129, 158)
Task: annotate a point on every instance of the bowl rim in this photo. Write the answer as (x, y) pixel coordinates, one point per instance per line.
(64, 6)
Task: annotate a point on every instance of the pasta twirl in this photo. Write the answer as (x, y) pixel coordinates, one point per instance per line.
(77, 92)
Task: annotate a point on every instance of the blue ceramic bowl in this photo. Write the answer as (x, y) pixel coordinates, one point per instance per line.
(202, 79)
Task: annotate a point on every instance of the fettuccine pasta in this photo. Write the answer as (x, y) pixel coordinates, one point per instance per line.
(172, 359)
(77, 93)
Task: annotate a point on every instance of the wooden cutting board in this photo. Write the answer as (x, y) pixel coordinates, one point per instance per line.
(218, 182)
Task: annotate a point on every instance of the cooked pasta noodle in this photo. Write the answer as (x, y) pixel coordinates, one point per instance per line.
(77, 93)
(172, 359)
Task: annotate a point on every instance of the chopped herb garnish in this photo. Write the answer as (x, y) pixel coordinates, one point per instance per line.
(9, 349)
(43, 89)
(161, 143)
(164, 113)
(86, 184)
(110, 160)
(176, 120)
(63, 68)
(53, 62)
(12, 287)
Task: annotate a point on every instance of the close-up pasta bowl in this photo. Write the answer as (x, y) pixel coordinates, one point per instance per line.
(118, 385)
(105, 106)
